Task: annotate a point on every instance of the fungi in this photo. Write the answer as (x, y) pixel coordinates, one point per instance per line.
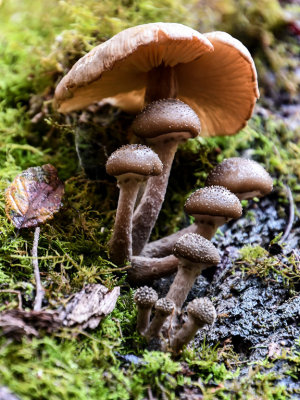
(243, 177)
(201, 312)
(164, 124)
(195, 254)
(163, 309)
(145, 298)
(211, 206)
(131, 165)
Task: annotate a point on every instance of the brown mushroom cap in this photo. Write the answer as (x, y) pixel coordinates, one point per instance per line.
(166, 116)
(165, 306)
(134, 158)
(145, 297)
(202, 310)
(241, 176)
(213, 201)
(197, 249)
(215, 74)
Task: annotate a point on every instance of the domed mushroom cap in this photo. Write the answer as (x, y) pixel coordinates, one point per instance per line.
(165, 306)
(246, 178)
(196, 249)
(134, 158)
(215, 74)
(213, 201)
(145, 297)
(202, 310)
(165, 116)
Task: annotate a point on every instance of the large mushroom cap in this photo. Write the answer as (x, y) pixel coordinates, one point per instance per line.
(214, 201)
(215, 74)
(134, 158)
(197, 249)
(165, 116)
(246, 178)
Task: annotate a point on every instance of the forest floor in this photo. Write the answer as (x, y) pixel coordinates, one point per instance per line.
(253, 350)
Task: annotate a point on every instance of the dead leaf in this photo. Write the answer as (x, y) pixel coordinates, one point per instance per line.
(87, 308)
(34, 196)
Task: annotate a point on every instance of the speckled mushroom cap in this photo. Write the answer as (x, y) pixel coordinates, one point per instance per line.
(196, 249)
(165, 116)
(202, 310)
(215, 74)
(134, 158)
(213, 201)
(145, 297)
(241, 176)
(165, 306)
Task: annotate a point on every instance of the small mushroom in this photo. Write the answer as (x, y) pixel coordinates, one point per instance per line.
(195, 253)
(211, 206)
(164, 124)
(131, 165)
(201, 312)
(163, 309)
(243, 177)
(145, 298)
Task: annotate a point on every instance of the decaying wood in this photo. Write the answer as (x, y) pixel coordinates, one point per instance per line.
(87, 308)
(18, 323)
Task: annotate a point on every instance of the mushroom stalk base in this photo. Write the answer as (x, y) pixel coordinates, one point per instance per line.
(147, 211)
(120, 245)
(183, 282)
(145, 269)
(185, 334)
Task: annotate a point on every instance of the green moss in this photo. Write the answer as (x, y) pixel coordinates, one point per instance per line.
(256, 260)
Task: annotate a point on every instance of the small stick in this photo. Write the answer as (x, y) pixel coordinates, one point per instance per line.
(40, 292)
(17, 292)
(291, 215)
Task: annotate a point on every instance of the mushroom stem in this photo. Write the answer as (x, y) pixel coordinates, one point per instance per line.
(148, 209)
(145, 298)
(161, 84)
(163, 309)
(200, 312)
(185, 334)
(120, 244)
(143, 319)
(183, 282)
(163, 247)
(145, 269)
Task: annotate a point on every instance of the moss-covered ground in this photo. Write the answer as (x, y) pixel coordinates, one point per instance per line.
(39, 42)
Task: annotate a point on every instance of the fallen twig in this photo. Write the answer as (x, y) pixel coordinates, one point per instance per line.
(291, 215)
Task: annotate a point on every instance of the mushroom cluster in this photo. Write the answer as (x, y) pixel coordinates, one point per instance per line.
(182, 84)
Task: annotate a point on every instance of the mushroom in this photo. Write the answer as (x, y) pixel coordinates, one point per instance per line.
(245, 178)
(163, 309)
(164, 124)
(145, 298)
(195, 253)
(201, 312)
(211, 206)
(131, 164)
(213, 73)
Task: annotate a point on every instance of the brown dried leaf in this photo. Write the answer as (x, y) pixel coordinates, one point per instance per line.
(34, 196)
